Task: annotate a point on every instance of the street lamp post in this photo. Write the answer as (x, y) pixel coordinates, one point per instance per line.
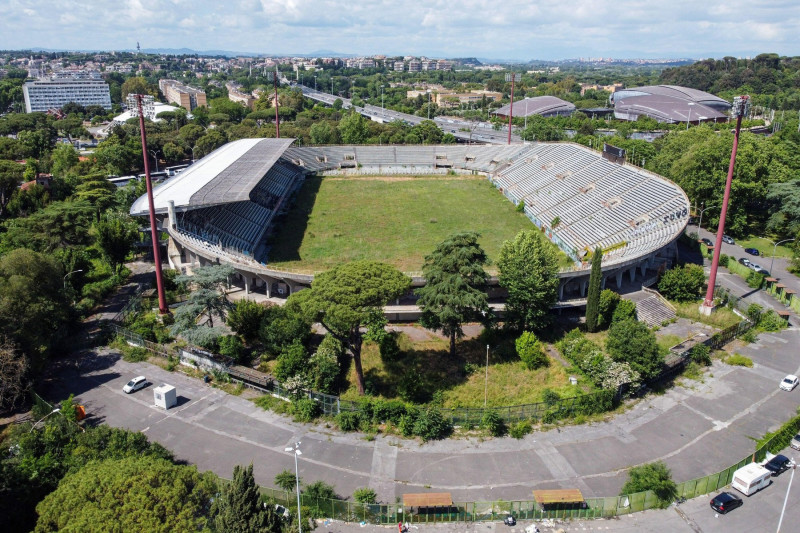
(383, 110)
(775, 249)
(786, 499)
(315, 83)
(700, 224)
(689, 118)
(193, 149)
(486, 385)
(68, 274)
(54, 411)
(296, 452)
(155, 158)
(512, 77)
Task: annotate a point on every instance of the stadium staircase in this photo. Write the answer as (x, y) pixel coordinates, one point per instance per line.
(653, 310)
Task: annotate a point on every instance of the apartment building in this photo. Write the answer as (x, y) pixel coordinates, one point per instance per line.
(187, 97)
(53, 93)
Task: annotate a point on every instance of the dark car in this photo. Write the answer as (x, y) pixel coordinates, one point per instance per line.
(752, 251)
(708, 242)
(744, 261)
(778, 464)
(725, 501)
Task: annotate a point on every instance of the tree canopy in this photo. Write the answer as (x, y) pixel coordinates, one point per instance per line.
(455, 286)
(238, 508)
(528, 271)
(348, 297)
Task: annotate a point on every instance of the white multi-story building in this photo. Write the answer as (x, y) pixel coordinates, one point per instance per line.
(53, 93)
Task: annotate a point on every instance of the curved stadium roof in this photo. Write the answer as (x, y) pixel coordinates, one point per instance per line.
(538, 105)
(674, 91)
(226, 175)
(664, 109)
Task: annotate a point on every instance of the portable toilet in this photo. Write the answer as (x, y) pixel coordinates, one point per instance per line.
(165, 396)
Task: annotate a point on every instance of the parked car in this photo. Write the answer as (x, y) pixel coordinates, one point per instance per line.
(754, 266)
(763, 271)
(778, 464)
(707, 242)
(135, 384)
(795, 442)
(728, 240)
(789, 382)
(725, 501)
(744, 261)
(751, 251)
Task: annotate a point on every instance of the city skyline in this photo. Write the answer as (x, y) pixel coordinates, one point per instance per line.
(513, 30)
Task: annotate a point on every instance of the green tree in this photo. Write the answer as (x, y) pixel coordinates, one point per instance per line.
(455, 282)
(323, 133)
(683, 284)
(159, 496)
(116, 233)
(209, 142)
(207, 300)
(292, 363)
(10, 178)
(281, 326)
(238, 508)
(63, 158)
(138, 85)
(173, 152)
(531, 351)
(625, 310)
(353, 128)
(606, 307)
(58, 226)
(245, 319)
(632, 342)
(651, 476)
(116, 158)
(13, 375)
(325, 368)
(428, 132)
(365, 495)
(348, 297)
(319, 490)
(528, 271)
(287, 481)
(595, 285)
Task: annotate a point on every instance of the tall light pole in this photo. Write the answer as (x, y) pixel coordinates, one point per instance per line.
(689, 118)
(162, 300)
(775, 249)
(193, 149)
(274, 76)
(54, 411)
(315, 83)
(296, 452)
(383, 110)
(155, 158)
(700, 223)
(486, 384)
(512, 77)
(69, 274)
(741, 105)
(786, 499)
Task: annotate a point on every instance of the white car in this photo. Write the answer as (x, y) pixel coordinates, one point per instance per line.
(135, 384)
(789, 382)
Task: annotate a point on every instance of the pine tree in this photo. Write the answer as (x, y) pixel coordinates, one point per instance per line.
(593, 298)
(239, 509)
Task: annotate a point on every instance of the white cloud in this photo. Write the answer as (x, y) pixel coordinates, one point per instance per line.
(514, 29)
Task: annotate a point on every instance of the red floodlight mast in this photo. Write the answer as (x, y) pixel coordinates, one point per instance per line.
(741, 105)
(277, 120)
(162, 301)
(512, 78)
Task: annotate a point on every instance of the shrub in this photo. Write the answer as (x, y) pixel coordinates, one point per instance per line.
(135, 354)
(305, 409)
(606, 307)
(365, 495)
(755, 280)
(632, 342)
(749, 336)
(348, 420)
(754, 313)
(406, 425)
(324, 369)
(625, 310)
(492, 422)
(531, 351)
(520, 207)
(293, 361)
(430, 424)
(520, 429)
(738, 359)
(286, 481)
(550, 397)
(652, 476)
(232, 346)
(701, 354)
(723, 260)
(771, 321)
(683, 284)
(319, 490)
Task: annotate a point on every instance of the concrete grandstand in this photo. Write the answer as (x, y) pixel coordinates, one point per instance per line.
(223, 207)
(669, 104)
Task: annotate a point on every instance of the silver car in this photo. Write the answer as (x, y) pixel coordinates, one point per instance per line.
(795, 442)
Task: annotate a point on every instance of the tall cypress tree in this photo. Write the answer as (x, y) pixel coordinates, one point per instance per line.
(593, 298)
(239, 510)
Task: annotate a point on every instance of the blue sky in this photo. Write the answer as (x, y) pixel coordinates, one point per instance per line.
(532, 29)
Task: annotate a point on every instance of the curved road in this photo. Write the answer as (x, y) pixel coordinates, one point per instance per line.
(697, 429)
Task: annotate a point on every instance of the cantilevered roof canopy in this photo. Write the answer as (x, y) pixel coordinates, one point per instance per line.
(226, 175)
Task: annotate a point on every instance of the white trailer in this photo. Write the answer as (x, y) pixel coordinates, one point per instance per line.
(751, 478)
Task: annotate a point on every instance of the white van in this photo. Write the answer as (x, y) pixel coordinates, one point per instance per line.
(751, 478)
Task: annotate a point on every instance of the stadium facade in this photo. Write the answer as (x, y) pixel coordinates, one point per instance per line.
(223, 208)
(669, 104)
(546, 106)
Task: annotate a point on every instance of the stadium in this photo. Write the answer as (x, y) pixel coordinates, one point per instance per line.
(224, 208)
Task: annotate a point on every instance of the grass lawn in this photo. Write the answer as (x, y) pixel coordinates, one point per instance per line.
(765, 246)
(722, 317)
(426, 365)
(391, 219)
